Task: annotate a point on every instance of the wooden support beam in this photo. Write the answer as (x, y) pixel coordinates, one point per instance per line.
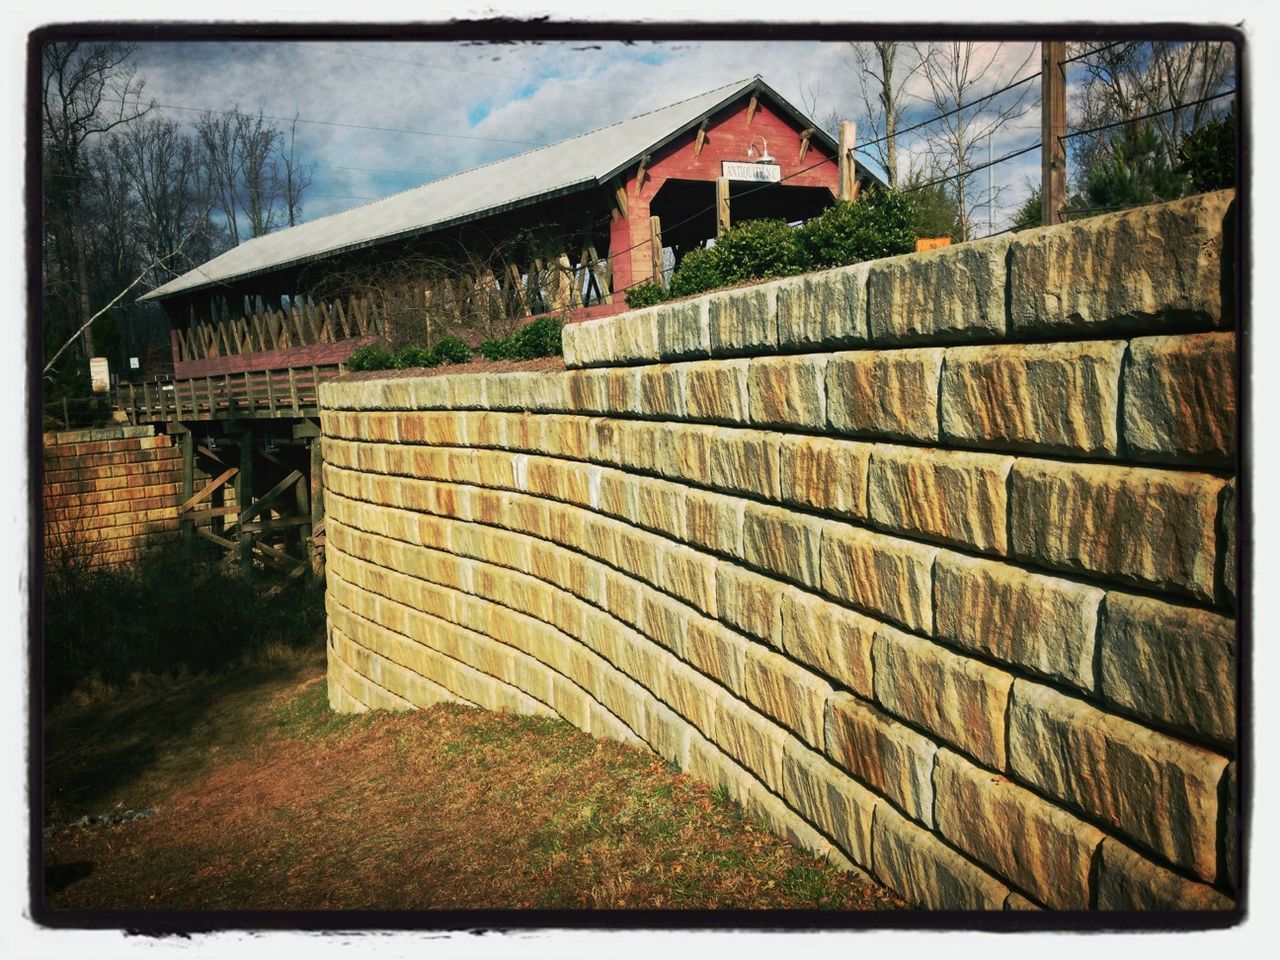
(293, 390)
(188, 482)
(302, 501)
(211, 536)
(655, 249)
(848, 170)
(269, 497)
(699, 140)
(1053, 127)
(722, 205)
(208, 489)
(620, 202)
(277, 523)
(644, 162)
(752, 107)
(804, 143)
(244, 498)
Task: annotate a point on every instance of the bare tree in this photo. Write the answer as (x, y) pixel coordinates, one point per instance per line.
(297, 175)
(87, 90)
(883, 69)
(222, 164)
(256, 142)
(811, 97)
(957, 74)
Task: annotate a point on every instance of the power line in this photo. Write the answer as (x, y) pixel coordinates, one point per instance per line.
(1095, 50)
(1148, 116)
(336, 123)
(965, 173)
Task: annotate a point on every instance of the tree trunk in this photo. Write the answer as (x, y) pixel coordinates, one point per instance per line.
(82, 272)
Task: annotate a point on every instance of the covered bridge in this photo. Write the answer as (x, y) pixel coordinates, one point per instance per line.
(606, 204)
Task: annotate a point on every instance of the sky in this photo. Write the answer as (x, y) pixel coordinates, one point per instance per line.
(443, 107)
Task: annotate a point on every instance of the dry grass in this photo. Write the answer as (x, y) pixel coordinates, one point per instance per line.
(267, 800)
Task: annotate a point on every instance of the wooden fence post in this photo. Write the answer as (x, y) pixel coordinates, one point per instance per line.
(848, 169)
(1053, 126)
(722, 205)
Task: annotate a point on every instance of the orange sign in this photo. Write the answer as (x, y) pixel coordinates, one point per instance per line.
(932, 243)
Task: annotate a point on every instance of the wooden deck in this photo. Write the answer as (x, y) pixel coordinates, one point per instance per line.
(265, 394)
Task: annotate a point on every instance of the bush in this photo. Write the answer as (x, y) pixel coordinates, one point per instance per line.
(494, 349)
(1207, 155)
(757, 250)
(407, 357)
(537, 338)
(450, 350)
(371, 356)
(645, 294)
(698, 272)
(880, 224)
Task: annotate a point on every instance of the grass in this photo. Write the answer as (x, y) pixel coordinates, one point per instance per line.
(265, 799)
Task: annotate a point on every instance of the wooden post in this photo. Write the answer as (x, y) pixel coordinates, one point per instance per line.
(655, 249)
(1053, 126)
(303, 502)
(293, 391)
(133, 407)
(317, 502)
(722, 205)
(66, 413)
(185, 524)
(245, 500)
(848, 169)
(208, 388)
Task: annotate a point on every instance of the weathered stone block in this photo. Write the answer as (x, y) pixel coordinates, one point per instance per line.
(828, 638)
(882, 753)
(1054, 397)
(752, 740)
(713, 521)
(621, 389)
(689, 575)
(1227, 543)
(682, 330)
(885, 393)
(1150, 527)
(743, 321)
(787, 692)
(749, 602)
(926, 871)
(1037, 846)
(587, 391)
(694, 697)
(1172, 665)
(827, 309)
(826, 474)
(1230, 868)
(661, 392)
(940, 495)
(1163, 265)
(1180, 399)
(716, 390)
(717, 651)
(1160, 791)
(658, 505)
(882, 575)
(963, 701)
(782, 542)
(944, 296)
(789, 391)
(735, 461)
(1044, 624)
(841, 807)
(1129, 881)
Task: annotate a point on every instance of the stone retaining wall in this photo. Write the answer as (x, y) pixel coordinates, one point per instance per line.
(109, 494)
(931, 561)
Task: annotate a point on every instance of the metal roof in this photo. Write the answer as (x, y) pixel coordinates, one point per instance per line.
(538, 174)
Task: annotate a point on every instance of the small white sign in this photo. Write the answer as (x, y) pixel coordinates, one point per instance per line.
(100, 374)
(133, 363)
(761, 172)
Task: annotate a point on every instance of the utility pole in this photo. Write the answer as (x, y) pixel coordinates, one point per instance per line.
(848, 172)
(1053, 127)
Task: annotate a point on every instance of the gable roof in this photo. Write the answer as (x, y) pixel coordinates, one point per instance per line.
(539, 174)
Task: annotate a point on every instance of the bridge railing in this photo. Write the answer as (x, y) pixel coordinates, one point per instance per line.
(292, 392)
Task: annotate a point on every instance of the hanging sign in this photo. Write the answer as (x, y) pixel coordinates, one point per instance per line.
(760, 172)
(100, 374)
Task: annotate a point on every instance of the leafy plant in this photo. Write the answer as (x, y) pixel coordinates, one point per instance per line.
(758, 249)
(1138, 171)
(537, 338)
(645, 294)
(494, 349)
(450, 349)
(881, 224)
(699, 271)
(407, 357)
(371, 356)
(1207, 155)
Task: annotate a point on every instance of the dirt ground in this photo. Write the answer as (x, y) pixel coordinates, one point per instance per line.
(264, 799)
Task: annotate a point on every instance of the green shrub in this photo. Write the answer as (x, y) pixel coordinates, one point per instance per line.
(758, 249)
(698, 272)
(371, 356)
(645, 294)
(450, 350)
(880, 224)
(537, 338)
(1208, 155)
(494, 349)
(407, 357)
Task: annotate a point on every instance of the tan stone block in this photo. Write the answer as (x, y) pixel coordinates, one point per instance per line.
(1129, 881)
(587, 391)
(566, 437)
(749, 602)
(961, 700)
(1180, 399)
(622, 390)
(1171, 665)
(885, 393)
(883, 575)
(1230, 840)
(789, 391)
(663, 620)
(682, 330)
(1039, 847)
(734, 461)
(1163, 264)
(782, 542)
(1154, 528)
(622, 597)
(1044, 624)
(824, 309)
(882, 753)
(694, 697)
(839, 806)
(828, 638)
(941, 495)
(659, 505)
(661, 394)
(689, 575)
(716, 390)
(717, 651)
(942, 296)
(753, 741)
(826, 474)
(668, 732)
(1051, 397)
(743, 321)
(641, 446)
(713, 521)
(925, 871)
(638, 553)
(787, 692)
(1015, 901)
(1160, 791)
